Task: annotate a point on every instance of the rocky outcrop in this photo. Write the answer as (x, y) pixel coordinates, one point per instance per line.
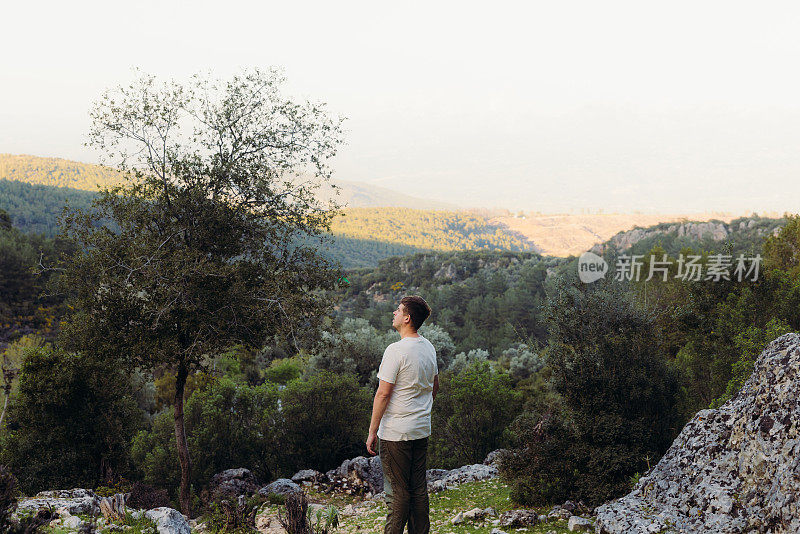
(714, 230)
(467, 473)
(730, 470)
(282, 486)
(75, 501)
(233, 482)
(360, 474)
(168, 521)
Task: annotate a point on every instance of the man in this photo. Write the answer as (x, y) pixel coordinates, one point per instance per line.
(401, 418)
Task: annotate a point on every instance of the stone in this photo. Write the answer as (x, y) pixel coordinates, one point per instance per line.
(74, 501)
(493, 457)
(72, 522)
(520, 517)
(282, 486)
(731, 469)
(232, 483)
(461, 475)
(578, 524)
(498, 531)
(168, 521)
(360, 472)
(474, 514)
(306, 475)
(457, 519)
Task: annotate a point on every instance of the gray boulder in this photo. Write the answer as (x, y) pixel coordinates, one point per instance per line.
(72, 522)
(518, 518)
(730, 470)
(168, 521)
(306, 475)
(75, 501)
(578, 524)
(282, 486)
(493, 457)
(466, 473)
(232, 483)
(360, 472)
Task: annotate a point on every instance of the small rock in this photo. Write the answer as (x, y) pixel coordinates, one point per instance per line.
(306, 475)
(73, 522)
(498, 531)
(474, 514)
(282, 486)
(578, 523)
(458, 519)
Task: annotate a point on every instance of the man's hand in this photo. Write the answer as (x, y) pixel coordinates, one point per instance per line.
(371, 439)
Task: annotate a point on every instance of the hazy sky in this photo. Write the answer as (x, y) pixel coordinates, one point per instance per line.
(668, 106)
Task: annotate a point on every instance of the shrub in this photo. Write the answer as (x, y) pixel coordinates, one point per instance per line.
(463, 359)
(470, 414)
(74, 418)
(146, 497)
(284, 370)
(618, 396)
(324, 420)
(227, 424)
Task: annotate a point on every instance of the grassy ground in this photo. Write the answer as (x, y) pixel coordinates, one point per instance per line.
(443, 507)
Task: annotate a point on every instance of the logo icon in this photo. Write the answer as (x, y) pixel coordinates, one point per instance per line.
(591, 267)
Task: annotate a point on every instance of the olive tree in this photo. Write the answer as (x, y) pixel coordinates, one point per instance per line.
(212, 233)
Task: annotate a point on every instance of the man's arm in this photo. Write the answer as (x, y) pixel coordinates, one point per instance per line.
(435, 386)
(379, 404)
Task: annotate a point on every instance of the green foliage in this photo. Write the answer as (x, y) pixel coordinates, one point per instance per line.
(72, 422)
(233, 425)
(617, 392)
(153, 452)
(749, 343)
(324, 421)
(481, 299)
(23, 307)
(353, 347)
(462, 360)
(283, 370)
(228, 425)
(471, 411)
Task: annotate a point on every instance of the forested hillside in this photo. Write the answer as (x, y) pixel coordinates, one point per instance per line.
(362, 236)
(56, 172)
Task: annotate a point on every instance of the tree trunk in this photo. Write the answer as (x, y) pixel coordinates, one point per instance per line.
(180, 440)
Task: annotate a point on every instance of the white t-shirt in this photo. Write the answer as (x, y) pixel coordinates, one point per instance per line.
(409, 364)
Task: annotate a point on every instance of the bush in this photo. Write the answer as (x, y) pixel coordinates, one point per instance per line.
(73, 420)
(618, 398)
(354, 347)
(146, 497)
(470, 414)
(324, 420)
(463, 359)
(284, 370)
(228, 425)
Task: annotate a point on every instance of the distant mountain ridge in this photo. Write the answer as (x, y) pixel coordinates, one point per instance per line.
(380, 223)
(60, 172)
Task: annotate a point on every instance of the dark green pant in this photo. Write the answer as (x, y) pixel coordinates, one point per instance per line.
(404, 465)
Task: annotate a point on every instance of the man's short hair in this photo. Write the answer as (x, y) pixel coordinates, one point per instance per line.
(417, 308)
